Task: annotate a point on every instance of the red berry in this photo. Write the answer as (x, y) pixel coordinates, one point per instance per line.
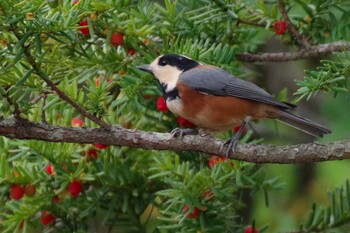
(192, 215)
(250, 230)
(21, 224)
(97, 82)
(92, 153)
(131, 51)
(17, 192)
(128, 125)
(75, 2)
(215, 160)
(161, 105)
(47, 218)
(85, 29)
(280, 27)
(50, 169)
(185, 123)
(101, 146)
(117, 39)
(75, 188)
(56, 199)
(77, 122)
(30, 190)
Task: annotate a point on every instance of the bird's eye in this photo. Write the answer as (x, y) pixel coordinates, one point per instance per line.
(163, 62)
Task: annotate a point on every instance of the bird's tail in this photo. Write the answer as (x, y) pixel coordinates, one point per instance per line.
(303, 124)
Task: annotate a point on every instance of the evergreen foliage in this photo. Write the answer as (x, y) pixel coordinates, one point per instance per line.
(133, 190)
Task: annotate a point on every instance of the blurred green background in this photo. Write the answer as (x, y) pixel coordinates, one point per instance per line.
(306, 184)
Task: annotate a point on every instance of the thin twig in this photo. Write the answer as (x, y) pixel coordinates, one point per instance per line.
(225, 9)
(74, 104)
(60, 93)
(301, 39)
(302, 153)
(39, 97)
(252, 23)
(312, 51)
(43, 112)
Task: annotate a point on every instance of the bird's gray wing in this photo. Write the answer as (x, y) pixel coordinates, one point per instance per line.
(215, 81)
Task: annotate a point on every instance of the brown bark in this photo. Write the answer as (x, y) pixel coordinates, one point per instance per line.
(311, 152)
(312, 51)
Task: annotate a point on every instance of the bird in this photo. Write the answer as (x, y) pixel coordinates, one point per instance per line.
(215, 100)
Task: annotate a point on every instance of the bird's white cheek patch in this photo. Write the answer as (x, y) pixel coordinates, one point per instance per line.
(175, 106)
(171, 85)
(167, 75)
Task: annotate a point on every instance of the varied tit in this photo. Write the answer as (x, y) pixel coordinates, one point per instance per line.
(215, 100)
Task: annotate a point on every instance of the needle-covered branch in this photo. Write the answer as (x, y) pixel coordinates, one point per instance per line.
(36, 68)
(312, 51)
(301, 39)
(311, 152)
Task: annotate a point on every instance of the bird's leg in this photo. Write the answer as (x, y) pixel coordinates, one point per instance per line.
(232, 142)
(179, 132)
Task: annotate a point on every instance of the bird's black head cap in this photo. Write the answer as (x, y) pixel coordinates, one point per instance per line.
(181, 62)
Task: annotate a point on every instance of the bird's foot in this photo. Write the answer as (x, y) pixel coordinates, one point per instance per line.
(178, 132)
(231, 145)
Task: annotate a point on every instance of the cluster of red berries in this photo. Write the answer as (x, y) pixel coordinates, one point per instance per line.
(98, 81)
(47, 218)
(214, 159)
(207, 194)
(18, 191)
(116, 40)
(74, 188)
(192, 215)
(91, 152)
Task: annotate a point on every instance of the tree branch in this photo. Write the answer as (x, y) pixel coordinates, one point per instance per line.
(311, 152)
(312, 51)
(301, 39)
(36, 67)
(70, 101)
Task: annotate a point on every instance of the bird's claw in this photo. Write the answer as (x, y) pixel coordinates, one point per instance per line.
(231, 146)
(232, 142)
(178, 132)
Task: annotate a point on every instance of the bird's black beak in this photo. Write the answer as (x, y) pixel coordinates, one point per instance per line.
(146, 68)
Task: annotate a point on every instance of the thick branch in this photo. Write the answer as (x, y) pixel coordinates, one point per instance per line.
(311, 152)
(312, 51)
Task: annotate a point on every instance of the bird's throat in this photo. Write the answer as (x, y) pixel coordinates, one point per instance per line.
(171, 94)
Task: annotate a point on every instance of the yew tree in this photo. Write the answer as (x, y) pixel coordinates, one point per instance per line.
(85, 143)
